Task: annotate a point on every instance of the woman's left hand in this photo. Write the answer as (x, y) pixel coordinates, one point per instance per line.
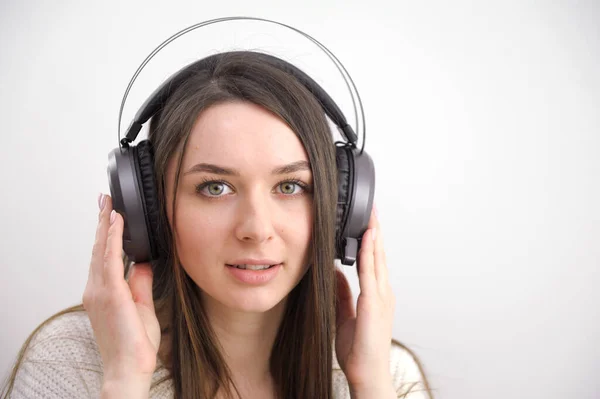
(363, 338)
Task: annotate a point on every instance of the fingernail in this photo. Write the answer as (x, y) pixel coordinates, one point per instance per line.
(101, 201)
(113, 216)
(374, 233)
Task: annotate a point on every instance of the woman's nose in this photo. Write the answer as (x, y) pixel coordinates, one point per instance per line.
(255, 220)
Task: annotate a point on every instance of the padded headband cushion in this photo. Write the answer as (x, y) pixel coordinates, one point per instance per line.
(145, 156)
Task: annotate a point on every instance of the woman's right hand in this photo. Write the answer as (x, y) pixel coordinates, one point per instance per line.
(121, 313)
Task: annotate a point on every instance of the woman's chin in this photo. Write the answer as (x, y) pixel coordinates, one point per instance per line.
(253, 303)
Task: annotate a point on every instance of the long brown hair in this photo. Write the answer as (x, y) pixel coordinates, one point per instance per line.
(301, 358)
(304, 336)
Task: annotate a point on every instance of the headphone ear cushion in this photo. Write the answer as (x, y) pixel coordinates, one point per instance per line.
(145, 162)
(345, 175)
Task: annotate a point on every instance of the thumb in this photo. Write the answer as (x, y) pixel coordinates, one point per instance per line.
(344, 300)
(140, 284)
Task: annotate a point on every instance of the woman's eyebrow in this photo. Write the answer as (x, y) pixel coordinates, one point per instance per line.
(291, 168)
(222, 170)
(210, 168)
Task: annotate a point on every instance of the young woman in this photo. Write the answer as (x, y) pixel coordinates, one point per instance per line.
(245, 300)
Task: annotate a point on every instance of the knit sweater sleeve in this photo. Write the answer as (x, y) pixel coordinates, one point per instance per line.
(61, 361)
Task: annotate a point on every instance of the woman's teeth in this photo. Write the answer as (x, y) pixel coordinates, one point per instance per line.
(253, 267)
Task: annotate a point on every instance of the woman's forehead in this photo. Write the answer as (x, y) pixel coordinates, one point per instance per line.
(242, 133)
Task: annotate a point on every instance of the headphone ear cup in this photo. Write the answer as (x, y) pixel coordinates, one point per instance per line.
(144, 157)
(126, 192)
(356, 191)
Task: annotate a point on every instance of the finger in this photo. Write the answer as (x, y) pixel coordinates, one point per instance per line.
(113, 260)
(366, 263)
(344, 300)
(140, 284)
(381, 270)
(96, 273)
(373, 217)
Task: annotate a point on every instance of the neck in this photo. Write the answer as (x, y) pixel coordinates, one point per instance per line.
(246, 339)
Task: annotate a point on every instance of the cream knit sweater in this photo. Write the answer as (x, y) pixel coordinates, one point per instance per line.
(63, 362)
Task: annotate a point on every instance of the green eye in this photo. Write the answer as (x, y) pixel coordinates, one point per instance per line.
(288, 187)
(215, 188)
(212, 188)
(293, 187)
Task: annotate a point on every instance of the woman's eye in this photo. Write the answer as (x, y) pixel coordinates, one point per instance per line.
(289, 188)
(213, 189)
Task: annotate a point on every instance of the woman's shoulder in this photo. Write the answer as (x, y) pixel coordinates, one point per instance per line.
(405, 370)
(63, 333)
(62, 360)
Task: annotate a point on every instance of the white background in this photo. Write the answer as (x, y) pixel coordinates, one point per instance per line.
(482, 120)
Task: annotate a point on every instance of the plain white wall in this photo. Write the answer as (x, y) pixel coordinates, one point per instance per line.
(482, 119)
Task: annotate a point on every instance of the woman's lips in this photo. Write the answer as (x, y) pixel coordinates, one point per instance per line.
(254, 277)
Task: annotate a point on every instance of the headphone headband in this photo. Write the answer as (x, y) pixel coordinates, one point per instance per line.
(160, 96)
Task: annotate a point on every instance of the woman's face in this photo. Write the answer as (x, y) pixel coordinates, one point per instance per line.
(244, 199)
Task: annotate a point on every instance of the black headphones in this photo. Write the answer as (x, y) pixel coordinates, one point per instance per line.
(133, 186)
